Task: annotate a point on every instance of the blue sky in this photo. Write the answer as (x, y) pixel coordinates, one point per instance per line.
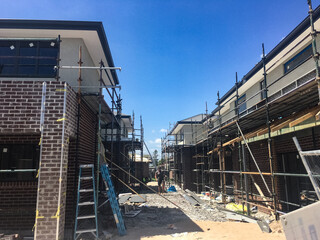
(175, 54)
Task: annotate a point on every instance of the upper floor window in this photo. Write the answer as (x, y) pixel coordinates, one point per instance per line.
(28, 58)
(298, 59)
(241, 103)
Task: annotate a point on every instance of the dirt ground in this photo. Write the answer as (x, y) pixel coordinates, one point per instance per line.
(207, 230)
(159, 219)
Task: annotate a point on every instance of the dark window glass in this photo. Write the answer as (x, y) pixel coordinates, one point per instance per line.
(7, 50)
(19, 157)
(48, 53)
(27, 69)
(46, 70)
(28, 58)
(298, 59)
(242, 104)
(28, 53)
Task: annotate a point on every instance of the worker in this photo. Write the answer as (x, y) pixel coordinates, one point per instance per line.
(160, 178)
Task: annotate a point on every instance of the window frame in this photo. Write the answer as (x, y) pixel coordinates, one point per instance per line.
(262, 89)
(13, 163)
(17, 63)
(295, 57)
(242, 99)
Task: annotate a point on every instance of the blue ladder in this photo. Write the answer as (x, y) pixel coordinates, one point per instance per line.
(84, 200)
(113, 200)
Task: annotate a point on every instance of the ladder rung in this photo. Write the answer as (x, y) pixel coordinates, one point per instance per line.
(86, 166)
(86, 203)
(86, 190)
(86, 178)
(86, 230)
(86, 217)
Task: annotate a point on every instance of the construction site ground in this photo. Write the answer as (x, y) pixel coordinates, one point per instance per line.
(160, 219)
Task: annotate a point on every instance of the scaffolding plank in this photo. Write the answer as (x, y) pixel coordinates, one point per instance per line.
(237, 139)
(302, 119)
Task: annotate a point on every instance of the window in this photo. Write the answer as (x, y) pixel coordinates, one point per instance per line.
(28, 58)
(298, 59)
(19, 156)
(181, 136)
(263, 92)
(242, 104)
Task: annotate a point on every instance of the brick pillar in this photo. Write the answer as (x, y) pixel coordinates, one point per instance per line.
(49, 210)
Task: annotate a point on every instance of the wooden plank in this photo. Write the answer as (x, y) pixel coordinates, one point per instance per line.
(262, 131)
(318, 116)
(237, 139)
(281, 125)
(301, 119)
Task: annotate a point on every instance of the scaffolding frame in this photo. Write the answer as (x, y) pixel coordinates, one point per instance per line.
(246, 195)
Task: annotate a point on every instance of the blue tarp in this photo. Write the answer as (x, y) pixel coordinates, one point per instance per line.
(171, 189)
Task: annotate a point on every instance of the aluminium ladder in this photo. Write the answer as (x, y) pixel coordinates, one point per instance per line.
(113, 200)
(86, 211)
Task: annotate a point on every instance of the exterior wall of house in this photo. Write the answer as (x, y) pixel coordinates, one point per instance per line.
(276, 73)
(20, 118)
(69, 54)
(87, 146)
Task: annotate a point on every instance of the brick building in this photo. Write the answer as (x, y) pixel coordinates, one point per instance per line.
(39, 162)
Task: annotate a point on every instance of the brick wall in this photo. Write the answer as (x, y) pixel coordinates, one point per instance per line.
(308, 139)
(17, 198)
(20, 104)
(86, 155)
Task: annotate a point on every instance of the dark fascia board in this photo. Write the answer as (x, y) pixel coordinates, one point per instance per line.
(276, 50)
(183, 122)
(125, 116)
(65, 25)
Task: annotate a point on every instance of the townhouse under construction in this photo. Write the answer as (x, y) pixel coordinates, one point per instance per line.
(244, 148)
(60, 108)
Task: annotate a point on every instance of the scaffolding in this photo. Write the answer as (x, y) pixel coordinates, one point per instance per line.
(232, 129)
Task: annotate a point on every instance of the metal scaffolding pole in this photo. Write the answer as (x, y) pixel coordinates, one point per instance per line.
(221, 154)
(316, 55)
(99, 137)
(274, 195)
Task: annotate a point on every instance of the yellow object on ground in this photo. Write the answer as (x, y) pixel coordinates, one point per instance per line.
(236, 207)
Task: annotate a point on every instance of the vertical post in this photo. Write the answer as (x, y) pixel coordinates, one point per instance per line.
(239, 143)
(78, 120)
(58, 59)
(61, 160)
(99, 135)
(314, 46)
(285, 182)
(274, 196)
(112, 124)
(246, 185)
(141, 138)
(42, 113)
(221, 152)
(132, 146)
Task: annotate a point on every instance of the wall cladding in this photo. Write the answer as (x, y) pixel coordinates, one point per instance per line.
(20, 104)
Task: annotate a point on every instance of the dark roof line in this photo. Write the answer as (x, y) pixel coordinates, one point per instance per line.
(276, 50)
(65, 25)
(183, 122)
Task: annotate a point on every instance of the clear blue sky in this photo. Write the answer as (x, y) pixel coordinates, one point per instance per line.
(175, 54)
